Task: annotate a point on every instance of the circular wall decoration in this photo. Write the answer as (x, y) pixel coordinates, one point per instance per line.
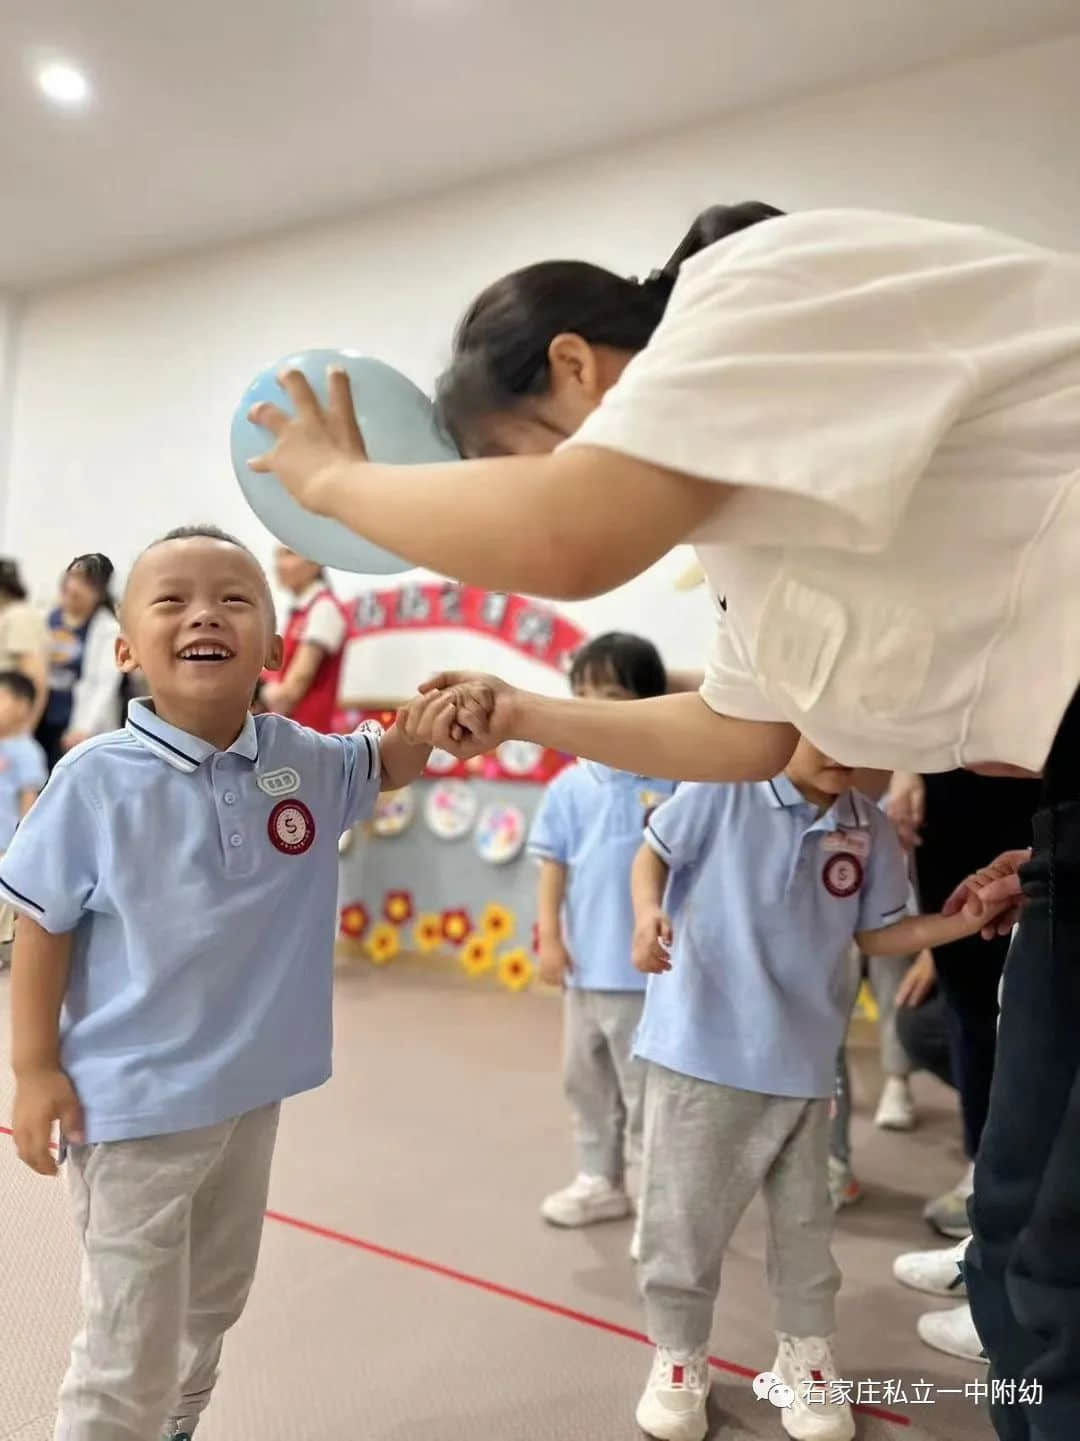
(451, 809)
(442, 763)
(519, 758)
(500, 834)
(394, 811)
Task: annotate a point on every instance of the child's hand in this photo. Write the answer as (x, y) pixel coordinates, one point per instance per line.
(652, 944)
(42, 1098)
(555, 962)
(466, 715)
(311, 446)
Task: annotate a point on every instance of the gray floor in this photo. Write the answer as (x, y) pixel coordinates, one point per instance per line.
(407, 1290)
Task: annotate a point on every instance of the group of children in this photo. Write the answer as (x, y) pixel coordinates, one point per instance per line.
(172, 984)
(742, 903)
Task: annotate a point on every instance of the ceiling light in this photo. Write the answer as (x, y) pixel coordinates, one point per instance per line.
(63, 84)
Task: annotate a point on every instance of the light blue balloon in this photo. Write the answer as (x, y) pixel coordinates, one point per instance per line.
(399, 426)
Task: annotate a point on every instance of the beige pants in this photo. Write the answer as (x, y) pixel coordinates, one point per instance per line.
(170, 1228)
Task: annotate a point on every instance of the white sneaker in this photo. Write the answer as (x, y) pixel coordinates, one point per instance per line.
(896, 1109)
(635, 1241)
(585, 1201)
(805, 1363)
(948, 1213)
(938, 1273)
(674, 1404)
(952, 1332)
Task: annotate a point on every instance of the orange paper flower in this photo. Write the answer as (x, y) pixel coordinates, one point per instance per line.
(428, 933)
(398, 907)
(456, 925)
(497, 922)
(515, 970)
(354, 920)
(384, 944)
(477, 955)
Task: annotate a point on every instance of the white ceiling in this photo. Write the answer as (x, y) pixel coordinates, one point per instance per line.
(214, 120)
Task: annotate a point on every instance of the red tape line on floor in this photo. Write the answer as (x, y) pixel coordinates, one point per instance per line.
(508, 1293)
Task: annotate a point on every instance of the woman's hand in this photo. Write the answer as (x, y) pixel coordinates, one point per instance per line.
(310, 447)
(993, 893)
(466, 715)
(918, 981)
(905, 805)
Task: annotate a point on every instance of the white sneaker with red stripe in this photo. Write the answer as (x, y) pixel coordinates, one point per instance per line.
(675, 1402)
(818, 1412)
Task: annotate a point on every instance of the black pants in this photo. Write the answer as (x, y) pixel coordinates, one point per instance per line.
(1023, 1265)
(49, 737)
(923, 1032)
(970, 819)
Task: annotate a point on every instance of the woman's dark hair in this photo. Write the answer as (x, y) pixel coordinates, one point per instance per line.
(501, 344)
(629, 660)
(11, 584)
(97, 570)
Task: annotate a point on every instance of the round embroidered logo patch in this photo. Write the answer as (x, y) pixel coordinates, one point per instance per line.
(291, 827)
(843, 875)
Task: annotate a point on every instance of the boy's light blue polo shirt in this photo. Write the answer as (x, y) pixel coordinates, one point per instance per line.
(201, 886)
(765, 898)
(22, 768)
(592, 821)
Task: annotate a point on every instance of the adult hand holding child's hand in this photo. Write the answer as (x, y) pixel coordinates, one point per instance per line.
(993, 893)
(466, 715)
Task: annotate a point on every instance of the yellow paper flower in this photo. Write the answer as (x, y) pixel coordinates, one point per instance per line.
(515, 970)
(385, 943)
(497, 922)
(428, 933)
(477, 955)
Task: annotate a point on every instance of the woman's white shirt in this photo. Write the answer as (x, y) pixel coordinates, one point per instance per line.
(895, 403)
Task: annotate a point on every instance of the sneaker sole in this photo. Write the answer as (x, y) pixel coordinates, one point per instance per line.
(890, 1123)
(672, 1432)
(841, 1433)
(950, 1232)
(597, 1219)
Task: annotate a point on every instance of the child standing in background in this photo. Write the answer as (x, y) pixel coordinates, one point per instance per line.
(767, 885)
(585, 836)
(23, 769)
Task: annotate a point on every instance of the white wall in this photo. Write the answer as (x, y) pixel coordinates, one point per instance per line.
(126, 385)
(9, 315)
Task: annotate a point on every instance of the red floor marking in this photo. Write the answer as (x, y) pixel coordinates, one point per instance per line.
(508, 1293)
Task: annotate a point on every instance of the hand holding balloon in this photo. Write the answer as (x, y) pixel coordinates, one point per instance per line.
(312, 445)
(328, 413)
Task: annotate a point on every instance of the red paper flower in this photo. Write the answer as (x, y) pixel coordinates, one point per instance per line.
(456, 925)
(398, 907)
(536, 938)
(354, 920)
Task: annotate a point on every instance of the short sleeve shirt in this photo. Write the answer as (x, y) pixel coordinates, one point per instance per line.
(592, 821)
(324, 624)
(893, 406)
(23, 768)
(765, 897)
(201, 889)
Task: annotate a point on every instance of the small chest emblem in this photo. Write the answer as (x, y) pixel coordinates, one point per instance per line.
(842, 875)
(282, 782)
(291, 827)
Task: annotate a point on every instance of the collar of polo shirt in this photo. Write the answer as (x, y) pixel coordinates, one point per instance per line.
(846, 810)
(185, 752)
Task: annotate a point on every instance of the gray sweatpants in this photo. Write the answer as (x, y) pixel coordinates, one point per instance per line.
(885, 974)
(170, 1229)
(603, 1082)
(708, 1150)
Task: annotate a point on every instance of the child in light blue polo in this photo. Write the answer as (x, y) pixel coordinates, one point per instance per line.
(171, 979)
(766, 886)
(23, 770)
(585, 836)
